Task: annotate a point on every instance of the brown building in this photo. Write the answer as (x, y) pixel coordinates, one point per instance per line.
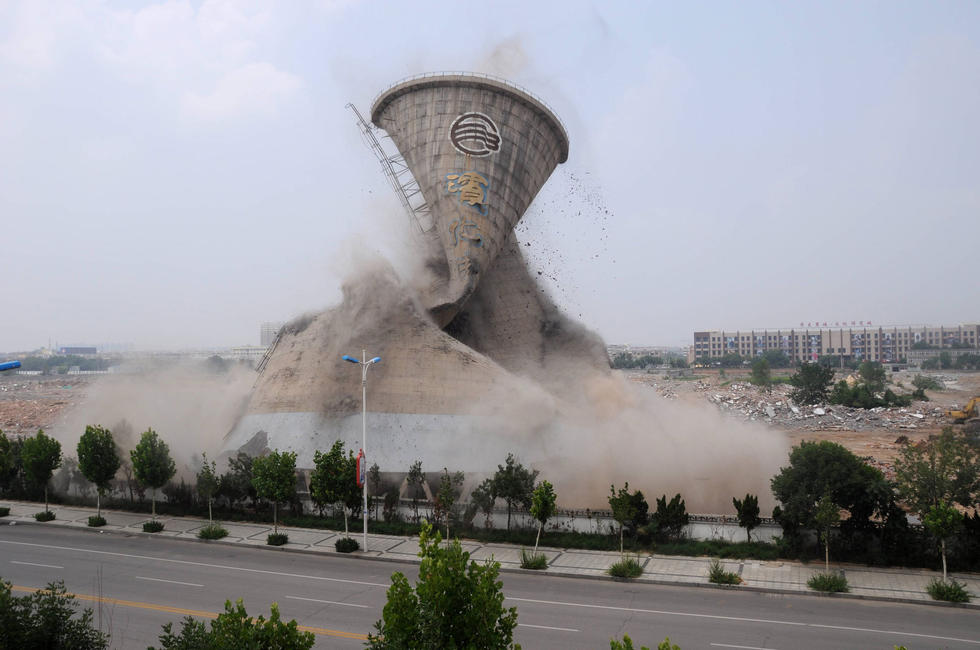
(859, 342)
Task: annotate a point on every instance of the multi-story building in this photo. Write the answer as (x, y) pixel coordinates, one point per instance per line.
(856, 341)
(268, 332)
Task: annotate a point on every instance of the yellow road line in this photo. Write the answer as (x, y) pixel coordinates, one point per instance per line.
(188, 612)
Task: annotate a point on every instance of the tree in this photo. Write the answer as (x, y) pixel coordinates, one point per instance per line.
(811, 384)
(826, 516)
(943, 521)
(208, 482)
(9, 463)
(748, 513)
(374, 480)
(334, 480)
(484, 499)
(942, 470)
(776, 358)
(449, 485)
(152, 464)
(872, 375)
(416, 479)
(234, 629)
(41, 455)
(761, 376)
(671, 517)
(625, 508)
(46, 619)
(236, 483)
(456, 603)
(543, 501)
(274, 477)
(98, 460)
(818, 468)
(513, 483)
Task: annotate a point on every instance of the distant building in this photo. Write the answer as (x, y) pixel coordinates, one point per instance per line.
(80, 350)
(268, 332)
(860, 343)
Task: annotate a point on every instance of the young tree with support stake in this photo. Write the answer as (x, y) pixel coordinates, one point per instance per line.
(98, 459)
(942, 521)
(513, 483)
(542, 507)
(826, 517)
(274, 477)
(334, 480)
(207, 483)
(152, 464)
(41, 455)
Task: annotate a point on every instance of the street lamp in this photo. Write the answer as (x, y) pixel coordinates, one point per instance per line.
(364, 368)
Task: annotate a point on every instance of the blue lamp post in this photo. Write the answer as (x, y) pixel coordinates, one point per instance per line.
(364, 368)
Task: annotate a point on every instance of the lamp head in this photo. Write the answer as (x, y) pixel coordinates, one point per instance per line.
(375, 360)
(347, 357)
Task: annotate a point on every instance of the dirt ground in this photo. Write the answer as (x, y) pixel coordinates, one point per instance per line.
(870, 434)
(32, 402)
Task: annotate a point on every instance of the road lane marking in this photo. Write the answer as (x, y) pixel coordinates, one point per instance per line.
(187, 612)
(741, 647)
(747, 620)
(201, 564)
(328, 602)
(46, 566)
(546, 627)
(173, 582)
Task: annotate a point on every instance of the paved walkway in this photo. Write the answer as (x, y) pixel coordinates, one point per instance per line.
(781, 576)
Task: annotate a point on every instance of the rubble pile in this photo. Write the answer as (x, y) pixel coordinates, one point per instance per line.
(749, 402)
(29, 405)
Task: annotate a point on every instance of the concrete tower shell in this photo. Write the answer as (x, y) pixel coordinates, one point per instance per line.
(483, 338)
(420, 115)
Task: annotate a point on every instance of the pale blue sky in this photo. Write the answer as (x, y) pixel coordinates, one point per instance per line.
(172, 174)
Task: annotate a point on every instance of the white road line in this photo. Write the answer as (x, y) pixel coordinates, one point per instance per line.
(328, 602)
(748, 620)
(546, 627)
(173, 582)
(46, 566)
(202, 564)
(741, 647)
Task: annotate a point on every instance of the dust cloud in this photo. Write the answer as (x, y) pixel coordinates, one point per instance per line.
(190, 405)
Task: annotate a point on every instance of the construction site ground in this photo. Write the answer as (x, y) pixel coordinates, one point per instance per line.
(30, 402)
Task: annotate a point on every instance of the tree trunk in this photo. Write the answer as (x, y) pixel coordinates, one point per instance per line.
(275, 517)
(98, 502)
(153, 505)
(45, 498)
(508, 516)
(210, 518)
(621, 539)
(942, 545)
(826, 554)
(346, 533)
(748, 534)
(538, 538)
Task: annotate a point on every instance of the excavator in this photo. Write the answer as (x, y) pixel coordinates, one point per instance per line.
(968, 416)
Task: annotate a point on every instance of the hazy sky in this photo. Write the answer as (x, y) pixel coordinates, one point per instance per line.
(174, 173)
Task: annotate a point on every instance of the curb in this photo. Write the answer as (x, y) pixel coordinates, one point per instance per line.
(548, 573)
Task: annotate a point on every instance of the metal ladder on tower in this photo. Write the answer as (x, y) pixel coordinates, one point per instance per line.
(398, 174)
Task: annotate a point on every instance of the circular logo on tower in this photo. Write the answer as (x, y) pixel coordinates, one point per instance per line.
(475, 134)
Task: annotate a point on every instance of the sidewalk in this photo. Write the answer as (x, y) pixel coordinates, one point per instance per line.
(907, 585)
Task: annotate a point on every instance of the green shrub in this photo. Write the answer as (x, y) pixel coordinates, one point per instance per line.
(277, 539)
(234, 628)
(628, 567)
(718, 575)
(44, 515)
(950, 591)
(533, 561)
(4, 511)
(152, 526)
(828, 582)
(47, 618)
(212, 531)
(346, 545)
(95, 521)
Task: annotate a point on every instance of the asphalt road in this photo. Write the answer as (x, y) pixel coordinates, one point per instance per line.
(135, 584)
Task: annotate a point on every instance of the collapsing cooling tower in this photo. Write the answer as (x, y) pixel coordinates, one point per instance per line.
(478, 336)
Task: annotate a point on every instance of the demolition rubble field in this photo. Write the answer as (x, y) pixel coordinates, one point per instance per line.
(32, 402)
(873, 433)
